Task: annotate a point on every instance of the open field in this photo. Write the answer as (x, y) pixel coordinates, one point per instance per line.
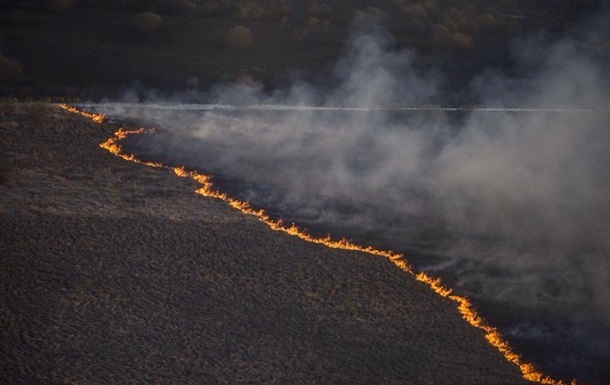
(93, 51)
(118, 273)
(114, 272)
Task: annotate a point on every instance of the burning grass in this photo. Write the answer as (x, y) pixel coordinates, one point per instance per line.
(464, 306)
(118, 272)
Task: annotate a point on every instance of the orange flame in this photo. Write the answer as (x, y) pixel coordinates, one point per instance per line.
(97, 118)
(464, 306)
(113, 146)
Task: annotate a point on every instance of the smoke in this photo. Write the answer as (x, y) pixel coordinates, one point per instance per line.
(539, 182)
(513, 206)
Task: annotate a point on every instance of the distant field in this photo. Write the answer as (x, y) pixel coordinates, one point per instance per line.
(96, 49)
(89, 52)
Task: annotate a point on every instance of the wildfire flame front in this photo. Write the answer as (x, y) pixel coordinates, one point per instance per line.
(464, 305)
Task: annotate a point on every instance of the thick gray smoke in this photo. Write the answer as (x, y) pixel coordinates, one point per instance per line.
(536, 183)
(516, 205)
(525, 192)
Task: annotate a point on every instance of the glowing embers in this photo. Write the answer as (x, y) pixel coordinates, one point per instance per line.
(464, 306)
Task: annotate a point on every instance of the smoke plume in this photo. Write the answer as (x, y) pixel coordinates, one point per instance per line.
(509, 200)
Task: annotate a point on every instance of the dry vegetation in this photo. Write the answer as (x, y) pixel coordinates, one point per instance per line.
(18, 15)
(117, 273)
(60, 5)
(11, 71)
(147, 22)
(59, 44)
(444, 24)
(239, 37)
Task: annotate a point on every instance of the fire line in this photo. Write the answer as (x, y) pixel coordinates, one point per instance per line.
(464, 306)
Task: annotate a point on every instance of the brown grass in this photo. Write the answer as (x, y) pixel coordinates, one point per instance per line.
(60, 5)
(119, 273)
(147, 22)
(11, 71)
(18, 15)
(239, 37)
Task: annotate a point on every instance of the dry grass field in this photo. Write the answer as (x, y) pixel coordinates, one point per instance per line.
(116, 273)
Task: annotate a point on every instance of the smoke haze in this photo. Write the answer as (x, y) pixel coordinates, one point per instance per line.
(511, 207)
